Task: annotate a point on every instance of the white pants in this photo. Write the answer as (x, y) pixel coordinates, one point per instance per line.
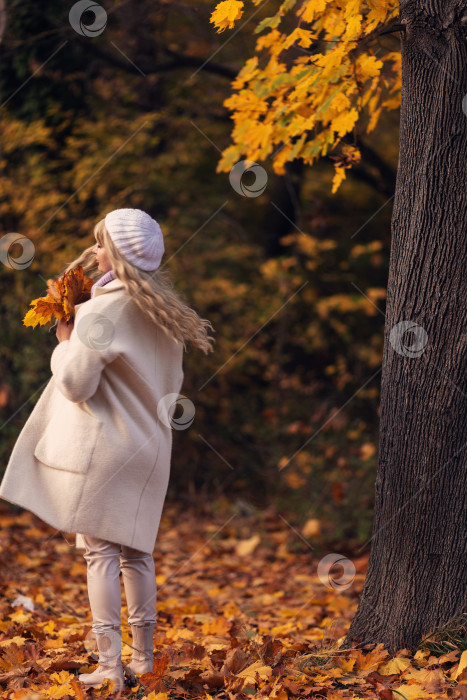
(104, 562)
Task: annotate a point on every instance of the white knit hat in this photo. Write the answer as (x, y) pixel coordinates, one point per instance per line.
(137, 236)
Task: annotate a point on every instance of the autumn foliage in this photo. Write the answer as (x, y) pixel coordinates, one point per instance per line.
(63, 294)
(305, 88)
(241, 613)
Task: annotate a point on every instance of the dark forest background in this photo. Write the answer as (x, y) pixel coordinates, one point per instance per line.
(296, 294)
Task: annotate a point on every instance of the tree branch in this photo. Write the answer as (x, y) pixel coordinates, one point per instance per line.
(178, 61)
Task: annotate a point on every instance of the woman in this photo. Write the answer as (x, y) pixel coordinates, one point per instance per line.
(94, 456)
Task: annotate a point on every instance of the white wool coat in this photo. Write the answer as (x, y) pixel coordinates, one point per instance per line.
(94, 455)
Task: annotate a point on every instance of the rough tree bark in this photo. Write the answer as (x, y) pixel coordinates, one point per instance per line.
(417, 574)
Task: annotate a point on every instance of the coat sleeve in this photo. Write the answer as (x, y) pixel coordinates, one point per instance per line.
(77, 365)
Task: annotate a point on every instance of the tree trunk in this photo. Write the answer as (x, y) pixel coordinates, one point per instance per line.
(417, 573)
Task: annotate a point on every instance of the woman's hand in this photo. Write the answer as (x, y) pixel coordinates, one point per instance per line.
(64, 330)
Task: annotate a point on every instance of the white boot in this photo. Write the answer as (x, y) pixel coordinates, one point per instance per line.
(143, 650)
(109, 645)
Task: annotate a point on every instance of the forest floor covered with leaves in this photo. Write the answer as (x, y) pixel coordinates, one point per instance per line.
(242, 613)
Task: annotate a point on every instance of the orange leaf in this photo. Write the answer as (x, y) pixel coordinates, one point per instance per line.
(13, 657)
(153, 679)
(370, 660)
(78, 691)
(220, 625)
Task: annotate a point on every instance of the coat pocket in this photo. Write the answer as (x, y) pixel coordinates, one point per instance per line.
(70, 437)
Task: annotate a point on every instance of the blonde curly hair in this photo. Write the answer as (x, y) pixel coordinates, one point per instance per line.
(153, 292)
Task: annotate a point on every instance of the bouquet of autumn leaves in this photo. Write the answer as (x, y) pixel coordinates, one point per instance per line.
(73, 287)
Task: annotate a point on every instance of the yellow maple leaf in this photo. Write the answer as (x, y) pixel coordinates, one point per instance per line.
(58, 691)
(265, 41)
(226, 14)
(54, 643)
(346, 664)
(367, 66)
(13, 640)
(219, 625)
(20, 616)
(339, 175)
(396, 665)
(413, 692)
(344, 122)
(303, 38)
(377, 14)
(309, 10)
(354, 27)
(61, 677)
(372, 660)
(258, 667)
(330, 60)
(351, 8)
(462, 665)
(246, 73)
(49, 627)
(339, 104)
(334, 24)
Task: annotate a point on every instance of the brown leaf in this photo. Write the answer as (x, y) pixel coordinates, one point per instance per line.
(14, 673)
(235, 631)
(449, 658)
(374, 678)
(64, 663)
(153, 679)
(153, 682)
(435, 681)
(271, 650)
(161, 661)
(234, 684)
(190, 651)
(31, 651)
(381, 684)
(236, 660)
(292, 686)
(16, 681)
(213, 678)
(12, 657)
